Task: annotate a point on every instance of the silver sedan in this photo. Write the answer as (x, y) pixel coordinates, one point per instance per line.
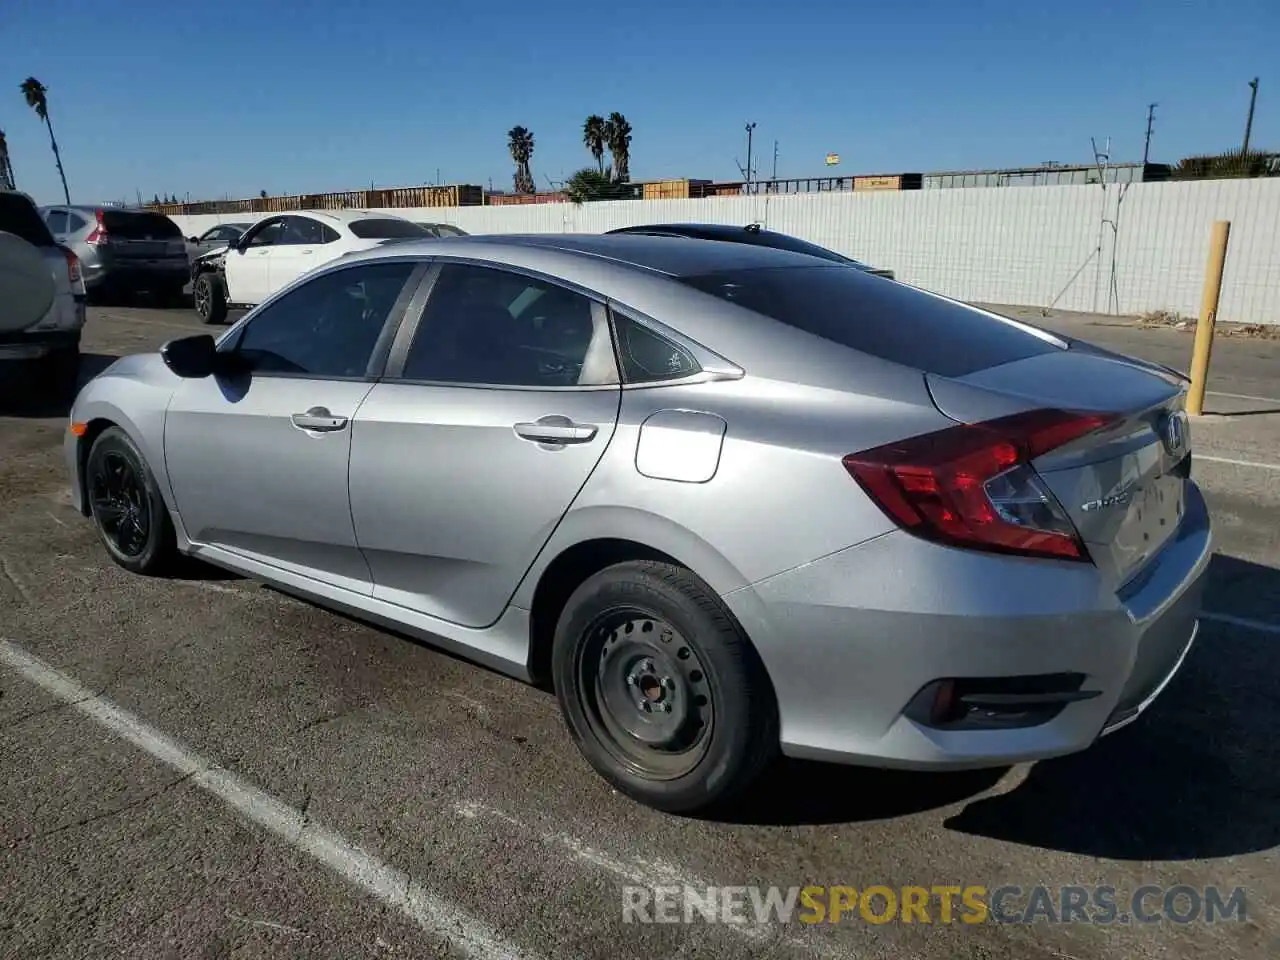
(729, 500)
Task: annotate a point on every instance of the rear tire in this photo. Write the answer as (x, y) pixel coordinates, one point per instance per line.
(210, 301)
(128, 511)
(661, 690)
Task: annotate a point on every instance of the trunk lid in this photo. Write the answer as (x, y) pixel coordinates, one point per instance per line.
(143, 236)
(1123, 486)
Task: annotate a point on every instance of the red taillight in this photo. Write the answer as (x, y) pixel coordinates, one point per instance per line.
(98, 235)
(73, 265)
(972, 486)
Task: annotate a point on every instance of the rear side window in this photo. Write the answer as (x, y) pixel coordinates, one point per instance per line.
(20, 217)
(878, 317)
(388, 229)
(648, 357)
(128, 225)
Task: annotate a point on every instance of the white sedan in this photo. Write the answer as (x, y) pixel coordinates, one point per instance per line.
(279, 249)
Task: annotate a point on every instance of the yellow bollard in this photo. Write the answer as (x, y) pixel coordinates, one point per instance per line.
(1208, 316)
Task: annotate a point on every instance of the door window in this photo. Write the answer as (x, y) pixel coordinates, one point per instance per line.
(302, 231)
(488, 326)
(267, 235)
(328, 326)
(76, 222)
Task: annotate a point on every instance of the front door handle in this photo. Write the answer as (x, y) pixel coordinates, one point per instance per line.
(318, 420)
(556, 429)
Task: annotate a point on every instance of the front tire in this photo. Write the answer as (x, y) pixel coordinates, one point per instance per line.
(128, 511)
(210, 301)
(663, 693)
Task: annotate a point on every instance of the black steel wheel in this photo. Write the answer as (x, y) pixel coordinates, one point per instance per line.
(127, 509)
(660, 688)
(645, 693)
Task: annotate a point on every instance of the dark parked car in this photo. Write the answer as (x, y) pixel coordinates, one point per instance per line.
(754, 234)
(215, 238)
(123, 250)
(443, 229)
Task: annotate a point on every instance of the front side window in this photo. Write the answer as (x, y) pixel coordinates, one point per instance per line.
(327, 327)
(488, 326)
(301, 231)
(267, 235)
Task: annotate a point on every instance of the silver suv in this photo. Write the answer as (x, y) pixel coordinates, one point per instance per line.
(123, 251)
(42, 296)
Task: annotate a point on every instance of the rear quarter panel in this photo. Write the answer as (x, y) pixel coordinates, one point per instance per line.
(779, 496)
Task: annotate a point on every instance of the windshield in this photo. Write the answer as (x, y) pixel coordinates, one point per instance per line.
(891, 321)
(388, 229)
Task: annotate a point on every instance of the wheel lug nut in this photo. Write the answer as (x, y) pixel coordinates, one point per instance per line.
(666, 708)
(668, 683)
(631, 680)
(644, 705)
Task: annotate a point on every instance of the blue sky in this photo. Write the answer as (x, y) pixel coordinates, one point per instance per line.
(233, 97)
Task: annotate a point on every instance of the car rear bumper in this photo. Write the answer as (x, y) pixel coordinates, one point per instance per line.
(34, 344)
(167, 270)
(855, 642)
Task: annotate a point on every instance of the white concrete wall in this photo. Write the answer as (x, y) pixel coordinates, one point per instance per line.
(1126, 249)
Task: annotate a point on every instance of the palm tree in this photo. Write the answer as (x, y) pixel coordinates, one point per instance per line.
(6, 168)
(617, 136)
(520, 143)
(593, 137)
(37, 95)
(590, 184)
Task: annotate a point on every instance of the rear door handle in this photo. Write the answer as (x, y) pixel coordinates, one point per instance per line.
(556, 429)
(318, 420)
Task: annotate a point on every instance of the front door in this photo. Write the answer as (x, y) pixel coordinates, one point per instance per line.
(247, 266)
(258, 462)
(466, 457)
(302, 248)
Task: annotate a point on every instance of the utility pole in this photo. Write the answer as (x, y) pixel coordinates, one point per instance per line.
(775, 160)
(1146, 146)
(750, 130)
(1248, 124)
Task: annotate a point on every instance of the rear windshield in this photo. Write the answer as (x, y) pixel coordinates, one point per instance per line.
(879, 317)
(19, 217)
(783, 242)
(128, 225)
(388, 229)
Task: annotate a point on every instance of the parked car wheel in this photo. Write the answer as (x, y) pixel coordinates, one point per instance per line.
(210, 302)
(660, 688)
(128, 511)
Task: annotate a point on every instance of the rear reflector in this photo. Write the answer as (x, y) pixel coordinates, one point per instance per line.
(972, 485)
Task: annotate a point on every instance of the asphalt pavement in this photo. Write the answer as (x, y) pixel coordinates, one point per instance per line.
(203, 767)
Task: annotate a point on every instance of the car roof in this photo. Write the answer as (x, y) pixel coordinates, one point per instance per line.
(340, 216)
(705, 230)
(671, 256)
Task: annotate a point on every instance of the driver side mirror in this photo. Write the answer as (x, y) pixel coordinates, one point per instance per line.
(194, 358)
(193, 239)
(191, 357)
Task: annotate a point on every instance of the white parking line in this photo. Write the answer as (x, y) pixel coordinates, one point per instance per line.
(392, 887)
(650, 873)
(1261, 626)
(1242, 396)
(1236, 463)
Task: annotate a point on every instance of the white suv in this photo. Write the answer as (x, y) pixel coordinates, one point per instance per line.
(42, 295)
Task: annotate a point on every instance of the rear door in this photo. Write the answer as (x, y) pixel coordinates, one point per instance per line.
(304, 245)
(489, 423)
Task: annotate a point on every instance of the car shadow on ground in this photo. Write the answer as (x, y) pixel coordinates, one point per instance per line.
(25, 393)
(1198, 776)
